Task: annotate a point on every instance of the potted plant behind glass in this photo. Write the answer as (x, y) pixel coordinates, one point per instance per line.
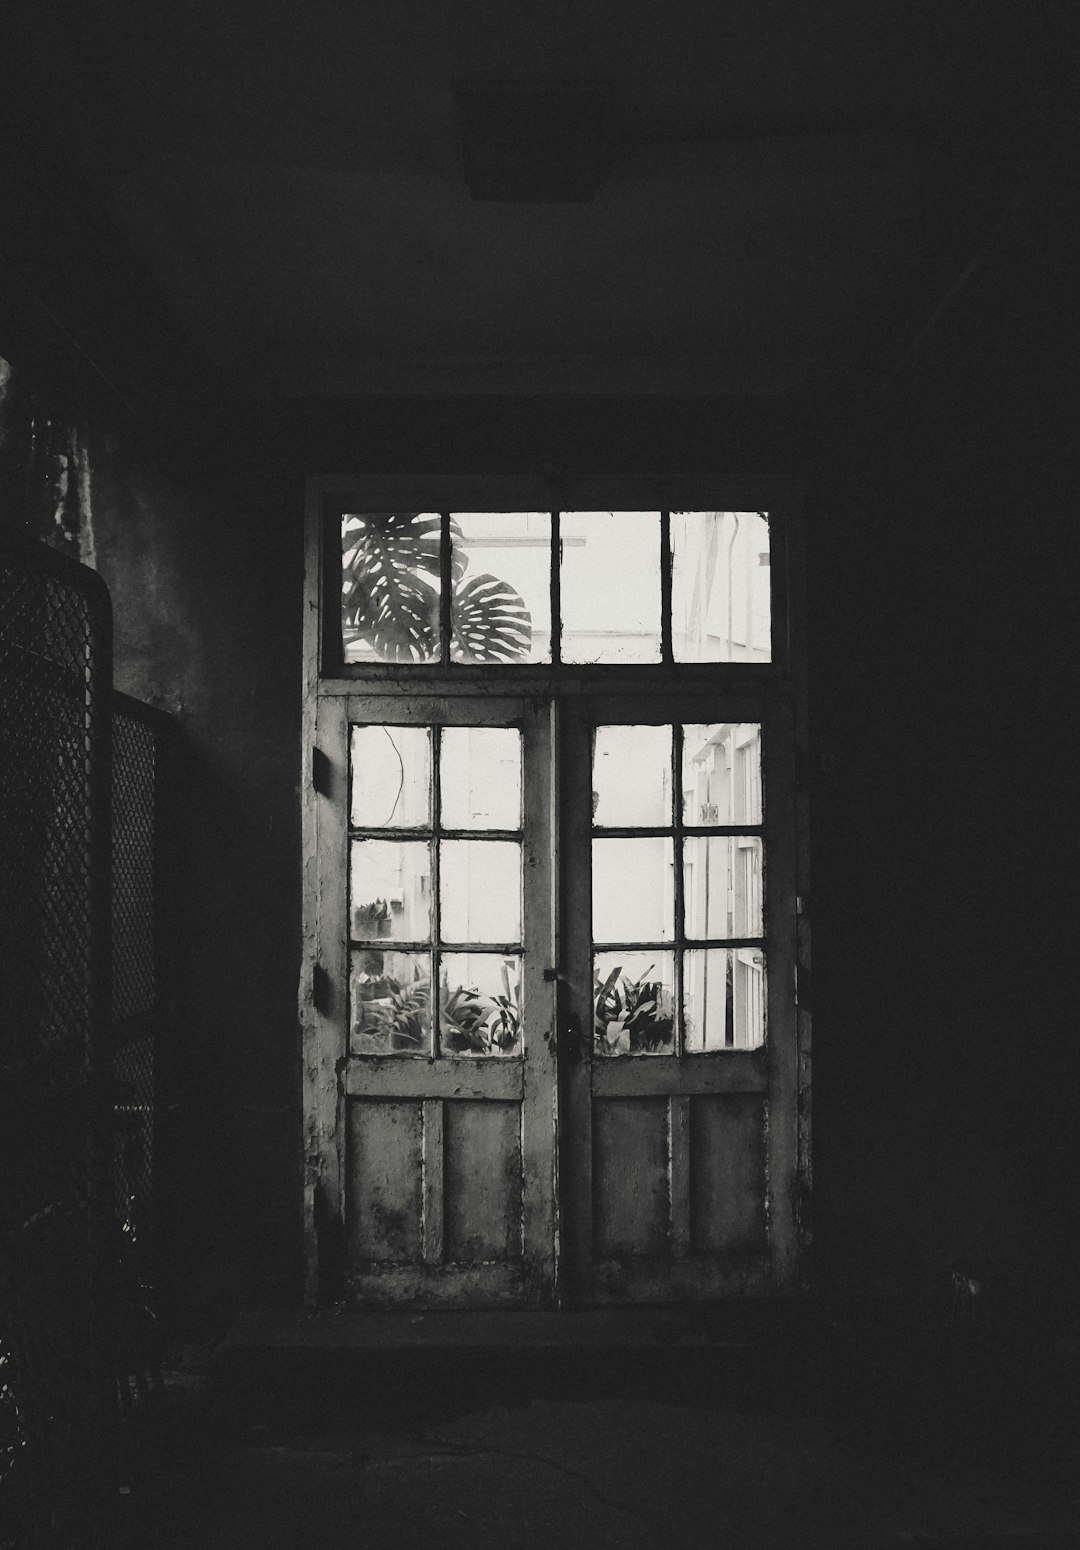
(632, 1016)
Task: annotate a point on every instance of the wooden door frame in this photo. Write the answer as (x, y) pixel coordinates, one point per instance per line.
(781, 682)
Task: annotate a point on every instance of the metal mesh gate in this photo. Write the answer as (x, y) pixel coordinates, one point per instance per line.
(56, 1280)
(142, 748)
(84, 1003)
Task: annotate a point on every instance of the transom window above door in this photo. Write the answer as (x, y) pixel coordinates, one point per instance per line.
(576, 587)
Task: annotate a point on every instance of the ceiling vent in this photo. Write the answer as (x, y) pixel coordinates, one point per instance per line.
(532, 142)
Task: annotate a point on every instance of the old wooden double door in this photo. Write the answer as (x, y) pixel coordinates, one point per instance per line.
(554, 1050)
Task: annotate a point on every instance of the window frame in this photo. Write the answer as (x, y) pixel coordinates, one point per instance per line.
(329, 499)
(778, 685)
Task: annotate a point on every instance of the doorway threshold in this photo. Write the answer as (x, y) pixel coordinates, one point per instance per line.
(713, 1326)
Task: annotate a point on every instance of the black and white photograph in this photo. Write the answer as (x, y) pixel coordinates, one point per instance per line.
(538, 926)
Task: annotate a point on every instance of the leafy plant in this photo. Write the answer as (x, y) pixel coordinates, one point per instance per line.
(490, 622)
(390, 593)
(389, 583)
(478, 1024)
(632, 1017)
(395, 1016)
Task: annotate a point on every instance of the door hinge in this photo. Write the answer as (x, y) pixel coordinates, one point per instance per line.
(321, 996)
(321, 771)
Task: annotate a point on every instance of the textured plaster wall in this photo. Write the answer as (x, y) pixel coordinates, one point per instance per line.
(204, 574)
(942, 557)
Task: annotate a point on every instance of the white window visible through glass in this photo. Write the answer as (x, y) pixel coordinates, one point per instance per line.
(721, 775)
(610, 586)
(632, 774)
(499, 573)
(480, 890)
(720, 586)
(391, 777)
(723, 999)
(390, 890)
(633, 889)
(480, 778)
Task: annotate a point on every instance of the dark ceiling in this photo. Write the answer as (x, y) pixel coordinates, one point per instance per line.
(776, 193)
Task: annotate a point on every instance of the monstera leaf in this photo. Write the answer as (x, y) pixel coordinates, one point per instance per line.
(390, 594)
(490, 622)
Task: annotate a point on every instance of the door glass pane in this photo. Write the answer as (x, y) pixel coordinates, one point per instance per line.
(391, 777)
(390, 586)
(610, 586)
(633, 1002)
(390, 890)
(480, 1004)
(389, 1003)
(720, 603)
(721, 774)
(501, 607)
(631, 779)
(480, 778)
(633, 890)
(723, 998)
(722, 886)
(480, 889)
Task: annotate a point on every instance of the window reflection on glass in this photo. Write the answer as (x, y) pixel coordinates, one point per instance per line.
(633, 1003)
(633, 890)
(610, 586)
(480, 1004)
(391, 777)
(480, 778)
(501, 605)
(390, 1003)
(720, 601)
(722, 886)
(723, 998)
(390, 890)
(631, 779)
(390, 586)
(721, 773)
(480, 890)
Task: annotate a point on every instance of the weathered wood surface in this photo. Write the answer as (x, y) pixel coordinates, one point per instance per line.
(434, 1182)
(500, 1285)
(679, 1139)
(482, 1182)
(665, 1279)
(727, 1172)
(384, 1183)
(631, 1213)
(725, 1071)
(539, 1110)
(411, 1076)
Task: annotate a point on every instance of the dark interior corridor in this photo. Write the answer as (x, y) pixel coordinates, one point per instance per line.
(824, 252)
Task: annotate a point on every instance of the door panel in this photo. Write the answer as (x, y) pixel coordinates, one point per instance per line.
(435, 965)
(679, 1134)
